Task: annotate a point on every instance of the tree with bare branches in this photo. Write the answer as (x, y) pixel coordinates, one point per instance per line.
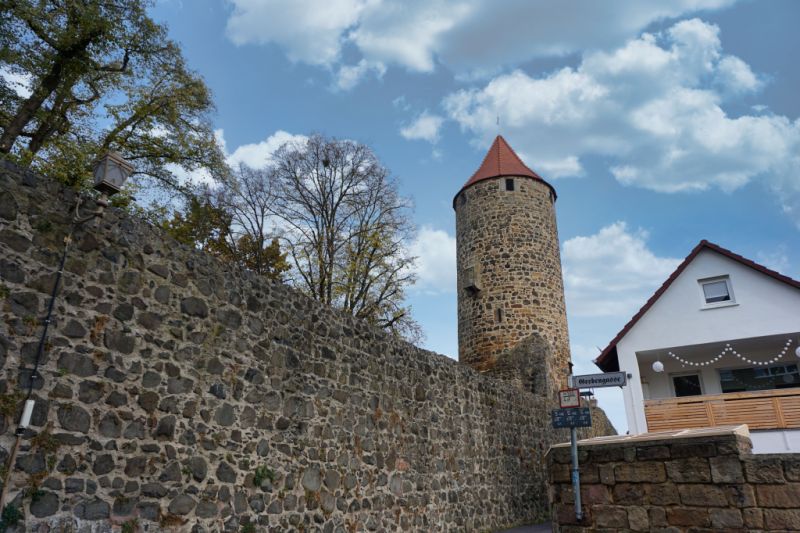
(345, 227)
(234, 222)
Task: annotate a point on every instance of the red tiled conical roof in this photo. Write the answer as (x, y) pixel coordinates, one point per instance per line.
(501, 160)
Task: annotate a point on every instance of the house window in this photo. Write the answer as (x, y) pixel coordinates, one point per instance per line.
(759, 378)
(687, 385)
(717, 291)
(509, 184)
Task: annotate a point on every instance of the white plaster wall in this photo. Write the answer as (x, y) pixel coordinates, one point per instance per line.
(786, 441)
(764, 306)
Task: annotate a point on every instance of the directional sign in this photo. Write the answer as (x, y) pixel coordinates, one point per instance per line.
(569, 398)
(591, 381)
(571, 418)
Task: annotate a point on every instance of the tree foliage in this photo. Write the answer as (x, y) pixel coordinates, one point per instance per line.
(345, 226)
(212, 227)
(102, 76)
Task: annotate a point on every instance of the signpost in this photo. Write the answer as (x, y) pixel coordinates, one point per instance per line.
(569, 398)
(571, 418)
(593, 381)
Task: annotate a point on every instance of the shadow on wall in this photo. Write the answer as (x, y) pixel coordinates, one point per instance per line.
(529, 366)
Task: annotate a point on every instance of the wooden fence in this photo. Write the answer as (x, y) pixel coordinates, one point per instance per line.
(772, 409)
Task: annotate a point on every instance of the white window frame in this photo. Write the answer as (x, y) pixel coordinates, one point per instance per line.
(716, 279)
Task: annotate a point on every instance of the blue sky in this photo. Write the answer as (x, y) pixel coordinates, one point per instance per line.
(659, 123)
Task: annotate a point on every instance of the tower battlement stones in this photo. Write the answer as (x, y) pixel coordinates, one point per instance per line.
(509, 266)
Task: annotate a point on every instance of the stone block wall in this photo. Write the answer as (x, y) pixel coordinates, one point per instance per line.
(179, 393)
(707, 482)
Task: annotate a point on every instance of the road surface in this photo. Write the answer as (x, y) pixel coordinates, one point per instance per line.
(535, 528)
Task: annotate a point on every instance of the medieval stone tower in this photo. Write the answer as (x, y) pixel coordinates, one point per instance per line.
(509, 267)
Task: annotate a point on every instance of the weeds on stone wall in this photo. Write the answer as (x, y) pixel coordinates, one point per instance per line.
(10, 517)
(9, 403)
(45, 440)
(130, 526)
(100, 322)
(261, 474)
(170, 520)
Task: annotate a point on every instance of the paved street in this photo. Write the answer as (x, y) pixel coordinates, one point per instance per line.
(535, 528)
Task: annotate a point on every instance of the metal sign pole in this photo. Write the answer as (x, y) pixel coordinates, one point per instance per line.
(576, 475)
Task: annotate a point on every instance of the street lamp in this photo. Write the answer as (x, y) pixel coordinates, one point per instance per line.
(110, 173)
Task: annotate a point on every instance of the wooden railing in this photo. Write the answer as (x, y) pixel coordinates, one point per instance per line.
(771, 409)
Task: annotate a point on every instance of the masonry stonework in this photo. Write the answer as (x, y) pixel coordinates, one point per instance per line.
(674, 484)
(508, 240)
(180, 393)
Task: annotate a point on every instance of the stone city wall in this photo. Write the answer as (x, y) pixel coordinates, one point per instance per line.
(709, 482)
(177, 392)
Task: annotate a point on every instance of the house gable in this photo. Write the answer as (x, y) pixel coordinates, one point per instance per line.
(765, 302)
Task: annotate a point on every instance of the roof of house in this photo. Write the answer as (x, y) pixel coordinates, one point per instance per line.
(607, 360)
(502, 160)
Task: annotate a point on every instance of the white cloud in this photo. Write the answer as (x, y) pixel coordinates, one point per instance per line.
(18, 81)
(351, 75)
(612, 273)
(425, 127)
(408, 32)
(435, 266)
(652, 108)
(310, 31)
(258, 155)
(254, 155)
(735, 76)
(471, 37)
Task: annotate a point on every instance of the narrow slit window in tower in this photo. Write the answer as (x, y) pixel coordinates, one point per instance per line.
(509, 184)
(498, 314)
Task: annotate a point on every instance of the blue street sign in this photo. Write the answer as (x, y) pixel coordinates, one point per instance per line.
(571, 418)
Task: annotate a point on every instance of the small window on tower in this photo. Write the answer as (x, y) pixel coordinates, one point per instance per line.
(498, 314)
(509, 184)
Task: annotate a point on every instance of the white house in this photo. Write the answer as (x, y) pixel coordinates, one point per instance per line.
(717, 344)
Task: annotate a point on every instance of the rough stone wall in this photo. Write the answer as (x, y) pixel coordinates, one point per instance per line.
(511, 239)
(705, 483)
(180, 393)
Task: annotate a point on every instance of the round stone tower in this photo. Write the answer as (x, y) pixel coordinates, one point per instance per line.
(509, 265)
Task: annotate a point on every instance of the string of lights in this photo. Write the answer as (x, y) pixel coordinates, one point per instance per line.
(658, 366)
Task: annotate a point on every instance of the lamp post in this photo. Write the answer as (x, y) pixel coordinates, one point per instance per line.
(110, 173)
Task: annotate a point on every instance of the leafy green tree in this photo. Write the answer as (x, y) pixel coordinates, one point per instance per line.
(103, 76)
